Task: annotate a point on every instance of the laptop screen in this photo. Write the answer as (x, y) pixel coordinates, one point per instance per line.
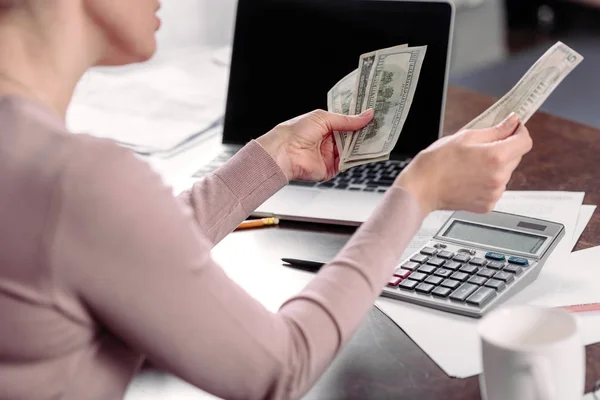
(287, 54)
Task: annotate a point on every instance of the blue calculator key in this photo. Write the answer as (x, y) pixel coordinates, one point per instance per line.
(519, 261)
(495, 256)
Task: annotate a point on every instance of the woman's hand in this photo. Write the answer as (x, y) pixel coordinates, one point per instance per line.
(469, 170)
(304, 147)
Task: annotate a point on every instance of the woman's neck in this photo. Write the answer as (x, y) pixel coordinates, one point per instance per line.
(41, 60)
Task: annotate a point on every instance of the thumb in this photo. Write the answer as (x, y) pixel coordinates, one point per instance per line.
(346, 123)
(501, 131)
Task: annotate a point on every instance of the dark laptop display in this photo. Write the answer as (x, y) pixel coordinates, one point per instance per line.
(287, 54)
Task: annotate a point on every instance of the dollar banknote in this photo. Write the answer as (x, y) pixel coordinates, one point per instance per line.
(390, 91)
(343, 98)
(528, 95)
(386, 81)
(339, 100)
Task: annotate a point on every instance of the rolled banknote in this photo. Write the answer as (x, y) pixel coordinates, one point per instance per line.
(528, 95)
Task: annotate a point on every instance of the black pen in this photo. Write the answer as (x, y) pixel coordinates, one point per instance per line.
(312, 266)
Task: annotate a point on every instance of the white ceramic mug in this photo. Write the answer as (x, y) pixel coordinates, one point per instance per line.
(531, 353)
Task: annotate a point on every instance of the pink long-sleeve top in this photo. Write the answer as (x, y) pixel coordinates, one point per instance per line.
(101, 267)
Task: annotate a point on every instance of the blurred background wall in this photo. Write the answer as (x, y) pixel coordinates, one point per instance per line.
(495, 43)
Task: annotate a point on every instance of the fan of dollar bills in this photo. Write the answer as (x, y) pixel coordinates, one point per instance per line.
(386, 81)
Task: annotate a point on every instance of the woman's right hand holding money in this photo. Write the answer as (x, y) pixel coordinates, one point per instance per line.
(469, 170)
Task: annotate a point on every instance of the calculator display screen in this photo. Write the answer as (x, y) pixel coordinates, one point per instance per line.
(496, 237)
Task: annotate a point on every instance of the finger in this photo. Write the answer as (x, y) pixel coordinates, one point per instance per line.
(340, 123)
(499, 132)
(517, 145)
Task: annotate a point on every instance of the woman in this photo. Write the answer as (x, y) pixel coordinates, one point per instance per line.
(101, 267)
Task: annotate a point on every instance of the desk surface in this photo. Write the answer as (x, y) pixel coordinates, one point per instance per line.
(565, 157)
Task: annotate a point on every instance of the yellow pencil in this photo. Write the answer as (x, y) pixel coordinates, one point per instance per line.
(257, 223)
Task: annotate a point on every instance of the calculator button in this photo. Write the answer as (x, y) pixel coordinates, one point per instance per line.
(417, 276)
(514, 269)
(440, 246)
(441, 292)
(444, 273)
(477, 280)
(462, 258)
(464, 291)
(495, 256)
(486, 272)
(411, 265)
(481, 296)
(469, 269)
(504, 276)
(519, 261)
(434, 280)
(425, 288)
(460, 276)
(427, 269)
(478, 261)
(495, 265)
(495, 284)
(438, 262)
(429, 251)
(419, 258)
(445, 254)
(408, 284)
(453, 265)
(402, 273)
(451, 283)
(394, 281)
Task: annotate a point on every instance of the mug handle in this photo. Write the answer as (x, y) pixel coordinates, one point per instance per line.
(539, 370)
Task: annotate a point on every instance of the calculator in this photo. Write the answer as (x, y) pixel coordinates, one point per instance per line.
(475, 262)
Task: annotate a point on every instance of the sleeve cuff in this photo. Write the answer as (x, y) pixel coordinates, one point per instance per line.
(252, 175)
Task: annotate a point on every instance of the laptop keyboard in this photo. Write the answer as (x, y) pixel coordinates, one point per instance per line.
(376, 177)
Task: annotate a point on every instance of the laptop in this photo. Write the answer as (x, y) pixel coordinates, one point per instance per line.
(286, 56)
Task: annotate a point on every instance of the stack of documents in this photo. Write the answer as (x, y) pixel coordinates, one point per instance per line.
(157, 108)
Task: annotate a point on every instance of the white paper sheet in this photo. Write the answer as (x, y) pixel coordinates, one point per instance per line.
(152, 107)
(585, 215)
